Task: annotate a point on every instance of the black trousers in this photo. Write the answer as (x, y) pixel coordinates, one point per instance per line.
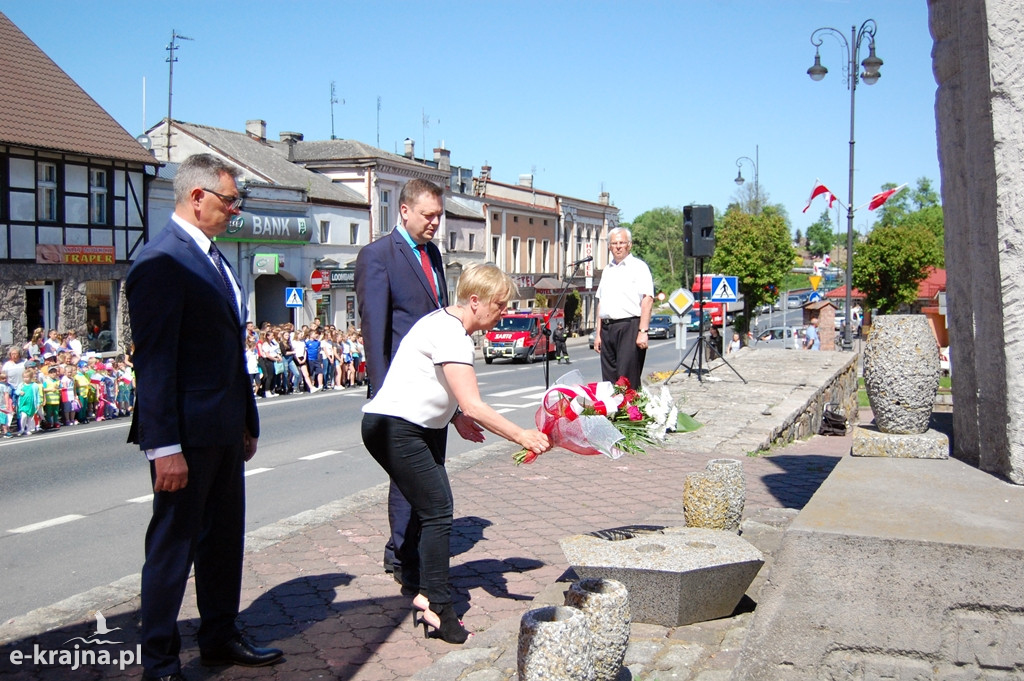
(203, 523)
(413, 457)
(619, 354)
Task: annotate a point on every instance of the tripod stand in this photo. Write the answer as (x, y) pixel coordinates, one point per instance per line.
(702, 345)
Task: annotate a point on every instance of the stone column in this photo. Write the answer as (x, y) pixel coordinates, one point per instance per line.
(979, 47)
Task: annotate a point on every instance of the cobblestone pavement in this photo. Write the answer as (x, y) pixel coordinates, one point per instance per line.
(313, 584)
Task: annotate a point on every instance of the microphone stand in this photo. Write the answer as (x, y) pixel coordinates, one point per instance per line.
(559, 305)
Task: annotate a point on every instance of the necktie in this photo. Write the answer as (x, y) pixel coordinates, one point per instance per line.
(427, 268)
(229, 288)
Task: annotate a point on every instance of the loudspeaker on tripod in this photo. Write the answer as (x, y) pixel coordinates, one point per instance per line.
(699, 231)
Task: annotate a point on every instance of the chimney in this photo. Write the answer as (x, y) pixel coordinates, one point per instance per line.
(604, 199)
(443, 158)
(526, 180)
(410, 148)
(256, 129)
(291, 139)
(485, 172)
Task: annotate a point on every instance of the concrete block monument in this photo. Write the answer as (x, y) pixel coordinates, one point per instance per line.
(674, 576)
(714, 498)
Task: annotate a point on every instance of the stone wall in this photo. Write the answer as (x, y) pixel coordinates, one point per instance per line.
(978, 49)
(840, 388)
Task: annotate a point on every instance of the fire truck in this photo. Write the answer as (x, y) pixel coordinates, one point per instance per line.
(519, 336)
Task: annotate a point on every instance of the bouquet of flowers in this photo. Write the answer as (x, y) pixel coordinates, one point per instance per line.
(601, 418)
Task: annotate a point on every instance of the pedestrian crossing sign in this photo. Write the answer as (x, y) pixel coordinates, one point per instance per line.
(723, 289)
(293, 297)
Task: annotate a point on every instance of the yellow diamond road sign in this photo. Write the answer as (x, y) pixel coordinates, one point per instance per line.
(681, 300)
(815, 281)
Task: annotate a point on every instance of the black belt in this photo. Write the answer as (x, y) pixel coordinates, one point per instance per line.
(609, 322)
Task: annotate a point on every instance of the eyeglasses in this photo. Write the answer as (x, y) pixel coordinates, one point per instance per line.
(233, 202)
(619, 243)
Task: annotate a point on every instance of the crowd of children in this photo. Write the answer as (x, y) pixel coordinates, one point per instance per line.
(56, 391)
(282, 360)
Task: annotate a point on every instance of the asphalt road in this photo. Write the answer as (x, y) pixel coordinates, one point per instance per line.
(74, 504)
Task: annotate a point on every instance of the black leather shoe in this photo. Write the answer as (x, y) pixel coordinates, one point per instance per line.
(241, 652)
(176, 676)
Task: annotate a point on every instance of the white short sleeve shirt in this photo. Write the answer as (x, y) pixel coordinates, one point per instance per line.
(623, 287)
(415, 388)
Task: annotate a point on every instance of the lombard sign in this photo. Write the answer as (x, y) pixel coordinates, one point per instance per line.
(344, 277)
(269, 228)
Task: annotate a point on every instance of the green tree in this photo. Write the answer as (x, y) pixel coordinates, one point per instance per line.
(820, 237)
(798, 238)
(888, 267)
(658, 241)
(540, 300)
(758, 251)
(931, 218)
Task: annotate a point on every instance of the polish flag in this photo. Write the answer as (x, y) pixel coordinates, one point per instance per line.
(818, 190)
(881, 197)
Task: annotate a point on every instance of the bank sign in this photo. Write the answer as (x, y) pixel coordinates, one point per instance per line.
(269, 229)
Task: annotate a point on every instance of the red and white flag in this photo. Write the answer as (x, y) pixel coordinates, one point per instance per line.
(881, 197)
(818, 190)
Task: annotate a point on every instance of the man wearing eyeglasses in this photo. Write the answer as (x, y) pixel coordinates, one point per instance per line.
(625, 297)
(195, 420)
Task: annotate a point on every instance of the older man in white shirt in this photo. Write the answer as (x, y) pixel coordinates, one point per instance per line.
(625, 298)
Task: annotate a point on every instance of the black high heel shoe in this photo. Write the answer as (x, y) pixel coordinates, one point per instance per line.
(450, 629)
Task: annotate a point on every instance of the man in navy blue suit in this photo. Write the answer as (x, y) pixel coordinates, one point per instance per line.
(394, 292)
(195, 418)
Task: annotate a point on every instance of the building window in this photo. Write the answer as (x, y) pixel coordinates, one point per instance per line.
(46, 191)
(472, 240)
(514, 265)
(99, 313)
(98, 196)
(515, 218)
(531, 221)
(495, 245)
(531, 249)
(325, 231)
(452, 238)
(545, 223)
(545, 255)
(353, 233)
(384, 212)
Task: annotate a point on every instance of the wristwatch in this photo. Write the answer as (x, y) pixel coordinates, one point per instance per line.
(643, 330)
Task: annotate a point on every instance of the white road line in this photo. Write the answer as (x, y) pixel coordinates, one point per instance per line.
(503, 411)
(319, 455)
(46, 523)
(495, 405)
(257, 471)
(517, 391)
(140, 500)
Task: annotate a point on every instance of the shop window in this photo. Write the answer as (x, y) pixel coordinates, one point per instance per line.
(99, 313)
(98, 197)
(46, 191)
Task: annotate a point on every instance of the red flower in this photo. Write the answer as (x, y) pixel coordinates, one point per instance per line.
(623, 382)
(529, 457)
(634, 413)
(629, 396)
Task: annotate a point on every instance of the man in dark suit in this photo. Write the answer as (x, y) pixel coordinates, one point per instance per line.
(393, 291)
(195, 418)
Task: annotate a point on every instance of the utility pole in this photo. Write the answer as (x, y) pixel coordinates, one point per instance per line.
(175, 36)
(334, 100)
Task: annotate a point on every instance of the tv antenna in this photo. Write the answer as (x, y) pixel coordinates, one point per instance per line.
(175, 36)
(334, 100)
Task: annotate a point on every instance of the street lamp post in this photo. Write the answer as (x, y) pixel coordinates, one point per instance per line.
(870, 76)
(739, 176)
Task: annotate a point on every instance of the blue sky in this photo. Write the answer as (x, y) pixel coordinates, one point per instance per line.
(652, 102)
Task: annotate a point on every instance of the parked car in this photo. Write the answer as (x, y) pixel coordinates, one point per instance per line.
(778, 337)
(661, 326)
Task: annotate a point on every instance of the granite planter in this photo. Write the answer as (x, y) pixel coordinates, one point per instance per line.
(605, 603)
(714, 498)
(901, 373)
(555, 645)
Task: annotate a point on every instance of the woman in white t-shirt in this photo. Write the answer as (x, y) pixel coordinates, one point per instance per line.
(404, 429)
